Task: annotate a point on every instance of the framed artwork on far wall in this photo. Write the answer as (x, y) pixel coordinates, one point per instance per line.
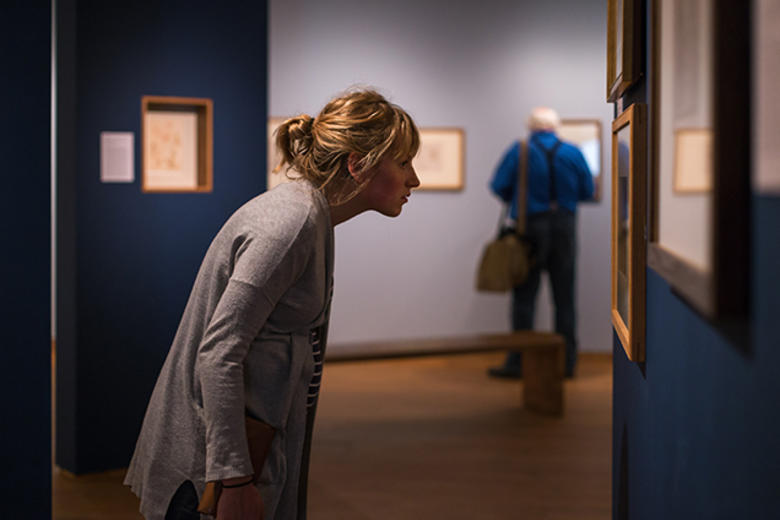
(629, 194)
(586, 135)
(439, 162)
(700, 193)
(176, 144)
(624, 19)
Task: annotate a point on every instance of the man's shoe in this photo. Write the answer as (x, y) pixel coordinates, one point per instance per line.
(505, 372)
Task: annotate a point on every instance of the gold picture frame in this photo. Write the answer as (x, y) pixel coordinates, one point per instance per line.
(176, 144)
(699, 231)
(629, 192)
(623, 46)
(439, 162)
(585, 134)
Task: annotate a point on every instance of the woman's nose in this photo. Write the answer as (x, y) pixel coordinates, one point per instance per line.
(413, 181)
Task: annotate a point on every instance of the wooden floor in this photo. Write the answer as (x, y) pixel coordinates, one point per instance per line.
(430, 438)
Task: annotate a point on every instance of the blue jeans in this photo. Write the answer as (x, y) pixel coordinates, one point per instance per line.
(553, 236)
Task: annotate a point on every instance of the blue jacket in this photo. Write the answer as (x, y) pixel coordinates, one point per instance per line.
(573, 179)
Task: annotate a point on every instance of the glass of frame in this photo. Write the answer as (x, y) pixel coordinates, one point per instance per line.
(439, 162)
(628, 229)
(623, 41)
(700, 138)
(585, 134)
(177, 144)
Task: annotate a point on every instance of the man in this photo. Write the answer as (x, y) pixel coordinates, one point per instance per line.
(558, 178)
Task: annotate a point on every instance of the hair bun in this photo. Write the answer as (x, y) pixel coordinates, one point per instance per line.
(301, 126)
(298, 131)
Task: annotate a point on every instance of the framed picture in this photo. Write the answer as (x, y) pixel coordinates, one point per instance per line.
(177, 144)
(700, 192)
(623, 46)
(692, 160)
(586, 135)
(628, 229)
(273, 179)
(439, 162)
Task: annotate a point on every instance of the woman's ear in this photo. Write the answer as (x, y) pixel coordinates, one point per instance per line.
(353, 165)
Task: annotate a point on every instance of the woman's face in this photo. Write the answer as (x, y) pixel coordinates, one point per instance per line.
(391, 186)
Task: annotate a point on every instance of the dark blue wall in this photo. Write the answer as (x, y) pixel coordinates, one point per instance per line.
(135, 255)
(696, 431)
(697, 435)
(25, 434)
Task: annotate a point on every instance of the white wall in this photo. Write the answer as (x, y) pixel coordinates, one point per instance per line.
(481, 66)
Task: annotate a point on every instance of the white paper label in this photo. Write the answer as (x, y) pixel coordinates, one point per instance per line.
(116, 157)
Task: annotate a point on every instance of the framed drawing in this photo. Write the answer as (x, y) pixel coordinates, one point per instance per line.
(177, 144)
(586, 135)
(439, 162)
(699, 225)
(273, 179)
(623, 46)
(692, 160)
(629, 196)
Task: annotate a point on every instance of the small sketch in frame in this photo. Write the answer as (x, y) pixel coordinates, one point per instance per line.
(628, 227)
(585, 134)
(692, 160)
(176, 144)
(439, 162)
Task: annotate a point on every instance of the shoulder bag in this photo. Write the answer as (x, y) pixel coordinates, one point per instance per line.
(506, 260)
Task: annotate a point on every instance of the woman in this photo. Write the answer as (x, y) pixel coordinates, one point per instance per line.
(231, 415)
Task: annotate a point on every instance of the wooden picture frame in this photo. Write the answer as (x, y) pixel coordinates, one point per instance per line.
(623, 46)
(585, 134)
(176, 144)
(439, 162)
(629, 195)
(699, 238)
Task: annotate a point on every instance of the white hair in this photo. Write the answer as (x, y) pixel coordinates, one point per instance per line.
(543, 118)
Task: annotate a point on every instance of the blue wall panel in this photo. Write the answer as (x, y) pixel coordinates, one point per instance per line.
(136, 255)
(696, 435)
(25, 434)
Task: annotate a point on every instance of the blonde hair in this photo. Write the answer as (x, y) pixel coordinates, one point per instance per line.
(362, 122)
(543, 118)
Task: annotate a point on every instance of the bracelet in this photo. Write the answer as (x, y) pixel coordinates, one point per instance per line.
(238, 485)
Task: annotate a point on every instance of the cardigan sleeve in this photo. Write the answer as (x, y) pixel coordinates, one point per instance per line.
(264, 269)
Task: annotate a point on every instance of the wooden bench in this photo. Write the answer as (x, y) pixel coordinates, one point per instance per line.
(543, 359)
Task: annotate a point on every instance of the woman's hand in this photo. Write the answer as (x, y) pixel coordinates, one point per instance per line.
(240, 503)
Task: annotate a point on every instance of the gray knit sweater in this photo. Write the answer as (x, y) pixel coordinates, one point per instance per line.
(242, 346)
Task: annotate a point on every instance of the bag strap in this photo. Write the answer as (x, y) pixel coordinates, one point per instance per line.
(522, 187)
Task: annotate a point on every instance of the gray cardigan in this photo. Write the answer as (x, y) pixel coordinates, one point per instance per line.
(242, 346)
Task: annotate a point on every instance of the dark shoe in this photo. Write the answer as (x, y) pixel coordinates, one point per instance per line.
(505, 372)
